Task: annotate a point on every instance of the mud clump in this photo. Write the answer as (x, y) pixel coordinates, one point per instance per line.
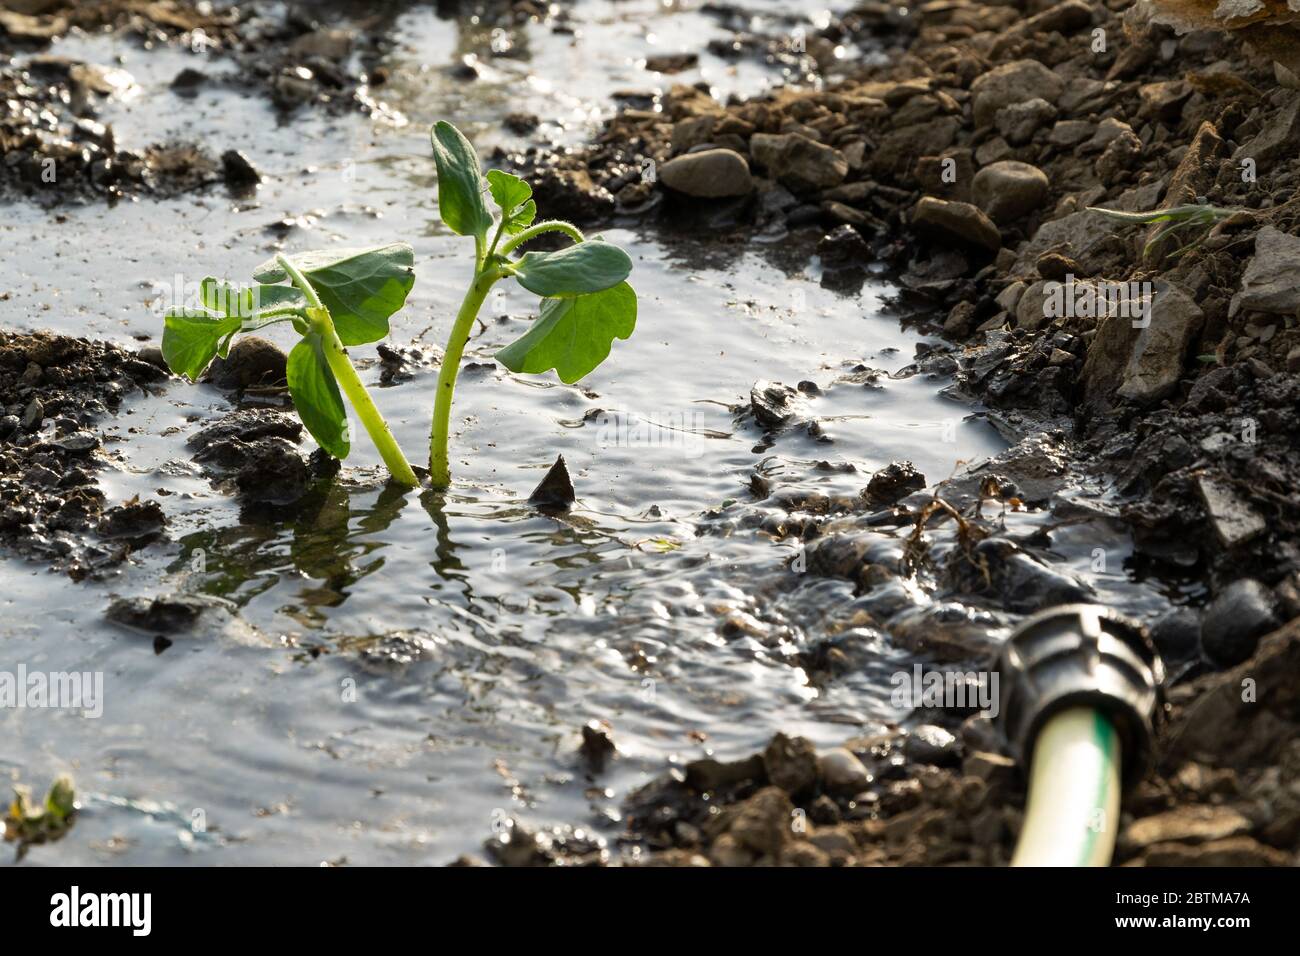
(254, 452)
(252, 362)
(54, 389)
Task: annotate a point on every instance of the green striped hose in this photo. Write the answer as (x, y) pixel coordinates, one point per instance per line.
(1072, 813)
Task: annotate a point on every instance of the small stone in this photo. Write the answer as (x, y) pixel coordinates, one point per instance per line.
(1020, 121)
(521, 124)
(1236, 620)
(791, 764)
(170, 613)
(798, 162)
(842, 772)
(238, 170)
(773, 404)
(188, 81)
(1189, 824)
(708, 774)
(992, 151)
(1235, 521)
(555, 491)
(843, 247)
(1068, 133)
(137, 521)
(1276, 140)
(1271, 282)
(597, 744)
(1177, 635)
(1009, 298)
(77, 443)
(1009, 190)
(728, 851)
(671, 62)
(956, 221)
(1164, 100)
(894, 482)
(33, 414)
(931, 744)
(330, 44)
(251, 361)
(1105, 132)
(763, 823)
(708, 174)
(1156, 357)
(1010, 83)
(1120, 156)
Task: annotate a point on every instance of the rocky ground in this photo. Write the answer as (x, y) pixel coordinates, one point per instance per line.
(973, 160)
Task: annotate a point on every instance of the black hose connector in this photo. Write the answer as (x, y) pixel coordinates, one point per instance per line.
(1081, 655)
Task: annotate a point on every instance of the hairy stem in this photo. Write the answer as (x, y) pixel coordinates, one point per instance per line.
(552, 225)
(350, 382)
(439, 467)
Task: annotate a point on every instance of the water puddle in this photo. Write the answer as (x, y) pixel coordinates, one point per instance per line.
(408, 668)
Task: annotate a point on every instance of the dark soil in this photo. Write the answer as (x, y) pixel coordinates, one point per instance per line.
(298, 55)
(54, 390)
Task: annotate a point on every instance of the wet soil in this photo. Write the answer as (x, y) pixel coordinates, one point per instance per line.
(1157, 483)
(1194, 427)
(55, 391)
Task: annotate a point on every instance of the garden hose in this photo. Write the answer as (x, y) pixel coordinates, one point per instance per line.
(1073, 805)
(1078, 698)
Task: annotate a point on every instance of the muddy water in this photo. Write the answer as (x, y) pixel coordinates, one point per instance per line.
(397, 671)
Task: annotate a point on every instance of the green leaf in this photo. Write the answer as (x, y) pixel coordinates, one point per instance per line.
(360, 287)
(192, 338)
(573, 335)
(460, 184)
(584, 267)
(514, 196)
(316, 396)
(247, 302)
(508, 191)
(522, 218)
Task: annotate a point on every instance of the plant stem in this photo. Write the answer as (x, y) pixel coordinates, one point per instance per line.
(439, 467)
(350, 382)
(551, 225)
(351, 385)
(487, 270)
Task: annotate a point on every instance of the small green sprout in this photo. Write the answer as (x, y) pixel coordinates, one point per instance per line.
(1191, 217)
(586, 300)
(336, 298)
(26, 823)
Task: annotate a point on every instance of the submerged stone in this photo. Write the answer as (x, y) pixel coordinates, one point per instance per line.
(555, 491)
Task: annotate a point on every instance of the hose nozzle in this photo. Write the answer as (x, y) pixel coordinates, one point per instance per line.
(1081, 655)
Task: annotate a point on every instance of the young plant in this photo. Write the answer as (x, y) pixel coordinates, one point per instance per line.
(335, 298)
(586, 302)
(1192, 218)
